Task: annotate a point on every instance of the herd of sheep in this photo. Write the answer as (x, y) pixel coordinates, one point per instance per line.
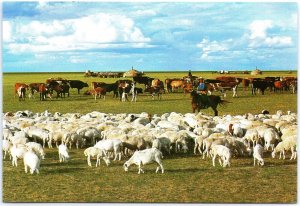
(144, 138)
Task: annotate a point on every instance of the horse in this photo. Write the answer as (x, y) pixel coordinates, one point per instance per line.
(206, 101)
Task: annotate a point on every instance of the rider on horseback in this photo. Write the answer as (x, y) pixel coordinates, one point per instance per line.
(202, 91)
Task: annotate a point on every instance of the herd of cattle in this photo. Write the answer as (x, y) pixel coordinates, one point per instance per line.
(122, 88)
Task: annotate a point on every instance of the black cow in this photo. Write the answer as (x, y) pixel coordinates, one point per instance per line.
(260, 84)
(143, 80)
(113, 87)
(77, 84)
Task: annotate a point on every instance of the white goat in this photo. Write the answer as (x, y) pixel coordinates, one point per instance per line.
(6, 147)
(92, 152)
(144, 157)
(223, 153)
(63, 153)
(258, 154)
(111, 145)
(162, 144)
(37, 148)
(32, 161)
(17, 152)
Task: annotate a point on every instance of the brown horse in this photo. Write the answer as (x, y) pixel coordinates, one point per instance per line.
(206, 101)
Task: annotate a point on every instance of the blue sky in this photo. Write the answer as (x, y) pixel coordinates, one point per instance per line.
(173, 36)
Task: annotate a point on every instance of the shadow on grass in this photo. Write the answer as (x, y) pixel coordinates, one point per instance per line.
(63, 170)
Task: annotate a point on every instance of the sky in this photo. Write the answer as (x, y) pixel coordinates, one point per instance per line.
(154, 36)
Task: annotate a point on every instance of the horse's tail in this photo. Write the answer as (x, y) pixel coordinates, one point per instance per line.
(223, 102)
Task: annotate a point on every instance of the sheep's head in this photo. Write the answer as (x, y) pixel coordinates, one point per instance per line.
(125, 167)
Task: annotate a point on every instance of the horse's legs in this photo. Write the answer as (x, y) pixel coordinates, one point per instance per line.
(216, 111)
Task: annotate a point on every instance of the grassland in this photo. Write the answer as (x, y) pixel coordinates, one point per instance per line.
(187, 178)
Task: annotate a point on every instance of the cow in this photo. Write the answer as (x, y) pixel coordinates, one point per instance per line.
(168, 82)
(260, 84)
(98, 91)
(18, 85)
(94, 85)
(21, 93)
(34, 87)
(279, 86)
(143, 80)
(77, 84)
(43, 90)
(245, 84)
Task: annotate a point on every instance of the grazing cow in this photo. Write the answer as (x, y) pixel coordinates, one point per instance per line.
(260, 84)
(155, 91)
(124, 89)
(291, 82)
(97, 84)
(77, 84)
(279, 86)
(21, 93)
(245, 84)
(18, 85)
(143, 80)
(187, 87)
(171, 86)
(43, 90)
(34, 87)
(99, 91)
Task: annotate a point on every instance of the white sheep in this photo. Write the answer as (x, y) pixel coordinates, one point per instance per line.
(95, 152)
(279, 148)
(111, 145)
(17, 152)
(223, 153)
(270, 136)
(258, 154)
(6, 147)
(32, 161)
(162, 144)
(63, 153)
(144, 157)
(37, 148)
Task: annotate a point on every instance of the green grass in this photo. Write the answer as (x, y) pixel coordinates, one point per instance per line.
(187, 179)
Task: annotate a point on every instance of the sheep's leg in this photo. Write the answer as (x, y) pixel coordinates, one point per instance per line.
(25, 166)
(220, 161)
(140, 168)
(213, 160)
(196, 147)
(4, 155)
(89, 161)
(254, 161)
(283, 155)
(37, 171)
(98, 160)
(199, 149)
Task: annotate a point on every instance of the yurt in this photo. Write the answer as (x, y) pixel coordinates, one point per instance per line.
(256, 72)
(132, 73)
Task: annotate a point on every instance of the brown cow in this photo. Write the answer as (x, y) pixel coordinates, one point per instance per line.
(18, 85)
(33, 87)
(97, 84)
(43, 90)
(98, 91)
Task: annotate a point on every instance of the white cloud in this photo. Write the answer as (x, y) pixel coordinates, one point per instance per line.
(7, 31)
(258, 28)
(210, 47)
(89, 32)
(259, 36)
